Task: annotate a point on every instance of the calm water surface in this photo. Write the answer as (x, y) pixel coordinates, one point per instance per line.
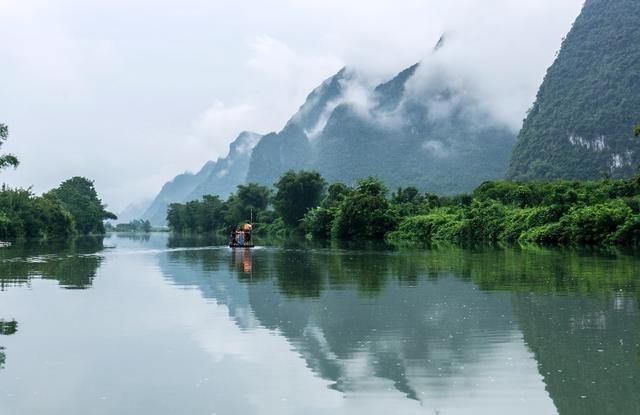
(149, 326)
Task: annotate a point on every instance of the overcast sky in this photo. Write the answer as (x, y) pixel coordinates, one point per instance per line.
(132, 92)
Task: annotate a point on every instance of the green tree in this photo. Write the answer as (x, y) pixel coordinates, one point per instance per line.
(23, 215)
(636, 131)
(176, 217)
(6, 160)
(317, 222)
(365, 213)
(249, 198)
(336, 194)
(79, 196)
(298, 192)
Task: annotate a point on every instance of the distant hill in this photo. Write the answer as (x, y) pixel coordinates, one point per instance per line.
(437, 139)
(216, 177)
(134, 211)
(581, 125)
(291, 148)
(416, 129)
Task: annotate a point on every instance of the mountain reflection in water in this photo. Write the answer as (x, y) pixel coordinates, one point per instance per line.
(317, 330)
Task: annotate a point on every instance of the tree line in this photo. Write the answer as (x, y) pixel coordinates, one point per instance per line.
(71, 208)
(595, 212)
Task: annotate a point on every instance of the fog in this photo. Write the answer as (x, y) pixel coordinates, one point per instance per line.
(131, 93)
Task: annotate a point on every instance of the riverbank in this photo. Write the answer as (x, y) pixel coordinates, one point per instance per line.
(563, 213)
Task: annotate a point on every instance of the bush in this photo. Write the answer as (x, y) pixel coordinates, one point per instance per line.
(549, 234)
(518, 221)
(424, 228)
(365, 213)
(629, 233)
(595, 224)
(317, 222)
(484, 221)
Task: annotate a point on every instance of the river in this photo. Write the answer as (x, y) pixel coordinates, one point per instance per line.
(153, 325)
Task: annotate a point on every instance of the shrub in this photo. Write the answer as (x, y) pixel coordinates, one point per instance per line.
(595, 224)
(629, 233)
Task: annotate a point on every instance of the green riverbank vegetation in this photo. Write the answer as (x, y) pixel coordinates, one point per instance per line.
(73, 208)
(599, 212)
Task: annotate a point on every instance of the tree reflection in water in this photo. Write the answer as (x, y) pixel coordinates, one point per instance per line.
(72, 264)
(7, 328)
(416, 317)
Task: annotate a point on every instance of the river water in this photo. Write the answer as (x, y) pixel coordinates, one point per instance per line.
(152, 325)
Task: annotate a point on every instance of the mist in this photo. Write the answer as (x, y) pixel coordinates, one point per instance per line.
(131, 93)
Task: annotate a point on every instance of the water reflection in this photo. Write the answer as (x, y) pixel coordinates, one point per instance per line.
(586, 350)
(139, 237)
(315, 330)
(7, 328)
(72, 263)
(416, 321)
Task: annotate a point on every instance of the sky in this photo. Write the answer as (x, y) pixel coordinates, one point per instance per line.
(130, 93)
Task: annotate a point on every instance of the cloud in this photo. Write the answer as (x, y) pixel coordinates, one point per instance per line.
(220, 122)
(132, 92)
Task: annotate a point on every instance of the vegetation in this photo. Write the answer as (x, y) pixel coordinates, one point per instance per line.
(430, 138)
(580, 124)
(603, 212)
(72, 208)
(364, 213)
(552, 213)
(297, 193)
(134, 226)
(6, 160)
(212, 214)
(79, 196)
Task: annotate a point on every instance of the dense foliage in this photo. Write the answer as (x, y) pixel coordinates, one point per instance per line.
(581, 124)
(580, 213)
(212, 214)
(364, 213)
(296, 194)
(22, 214)
(25, 215)
(79, 196)
(559, 213)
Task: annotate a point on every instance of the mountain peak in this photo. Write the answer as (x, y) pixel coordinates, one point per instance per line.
(318, 103)
(441, 42)
(390, 93)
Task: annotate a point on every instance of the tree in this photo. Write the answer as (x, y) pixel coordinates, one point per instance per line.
(336, 194)
(297, 194)
(24, 215)
(6, 160)
(249, 198)
(176, 217)
(79, 196)
(636, 132)
(365, 213)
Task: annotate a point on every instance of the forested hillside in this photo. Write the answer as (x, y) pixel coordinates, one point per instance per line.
(581, 125)
(435, 137)
(426, 132)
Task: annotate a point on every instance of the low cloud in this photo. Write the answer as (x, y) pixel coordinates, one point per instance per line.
(132, 92)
